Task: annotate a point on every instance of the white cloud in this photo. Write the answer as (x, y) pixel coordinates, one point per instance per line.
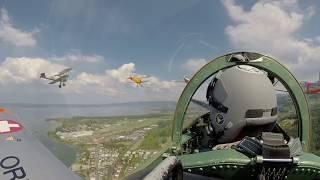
(114, 82)
(270, 27)
(14, 36)
(119, 76)
(77, 57)
(26, 70)
(193, 65)
(86, 83)
(155, 84)
(122, 73)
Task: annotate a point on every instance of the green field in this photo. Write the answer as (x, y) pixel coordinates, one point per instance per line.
(112, 147)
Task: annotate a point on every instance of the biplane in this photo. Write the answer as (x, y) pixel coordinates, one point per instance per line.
(60, 77)
(138, 80)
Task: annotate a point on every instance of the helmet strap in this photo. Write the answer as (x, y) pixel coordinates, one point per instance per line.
(212, 100)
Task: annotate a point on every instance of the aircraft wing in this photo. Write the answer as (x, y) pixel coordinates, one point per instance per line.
(50, 78)
(54, 81)
(23, 157)
(313, 91)
(64, 72)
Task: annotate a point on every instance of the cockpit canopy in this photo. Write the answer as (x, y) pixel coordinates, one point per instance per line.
(274, 70)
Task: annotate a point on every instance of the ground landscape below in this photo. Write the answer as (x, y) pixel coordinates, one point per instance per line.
(113, 147)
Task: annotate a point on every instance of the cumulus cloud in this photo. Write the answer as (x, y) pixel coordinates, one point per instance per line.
(270, 27)
(77, 57)
(87, 83)
(122, 73)
(193, 65)
(25, 70)
(13, 35)
(157, 85)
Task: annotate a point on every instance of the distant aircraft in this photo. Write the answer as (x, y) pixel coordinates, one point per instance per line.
(186, 79)
(61, 77)
(138, 80)
(311, 87)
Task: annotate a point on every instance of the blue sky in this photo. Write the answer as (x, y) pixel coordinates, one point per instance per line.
(147, 32)
(106, 40)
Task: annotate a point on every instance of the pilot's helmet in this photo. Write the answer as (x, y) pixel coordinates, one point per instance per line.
(242, 100)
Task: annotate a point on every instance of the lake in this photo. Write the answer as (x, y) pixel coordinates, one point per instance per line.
(34, 117)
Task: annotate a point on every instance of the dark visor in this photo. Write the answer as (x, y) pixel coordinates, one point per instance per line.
(258, 113)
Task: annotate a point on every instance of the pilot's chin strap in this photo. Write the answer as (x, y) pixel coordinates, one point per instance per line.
(273, 155)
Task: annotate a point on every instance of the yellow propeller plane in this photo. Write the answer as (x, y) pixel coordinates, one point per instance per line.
(138, 80)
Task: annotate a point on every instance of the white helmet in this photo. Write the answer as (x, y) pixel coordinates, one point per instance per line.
(239, 97)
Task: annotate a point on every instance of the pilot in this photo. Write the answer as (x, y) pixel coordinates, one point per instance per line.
(242, 103)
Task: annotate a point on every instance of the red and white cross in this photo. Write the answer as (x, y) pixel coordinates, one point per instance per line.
(9, 126)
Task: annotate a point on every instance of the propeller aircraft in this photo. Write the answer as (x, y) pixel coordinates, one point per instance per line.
(60, 77)
(138, 80)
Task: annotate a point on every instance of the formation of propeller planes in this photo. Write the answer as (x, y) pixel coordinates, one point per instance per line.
(62, 77)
